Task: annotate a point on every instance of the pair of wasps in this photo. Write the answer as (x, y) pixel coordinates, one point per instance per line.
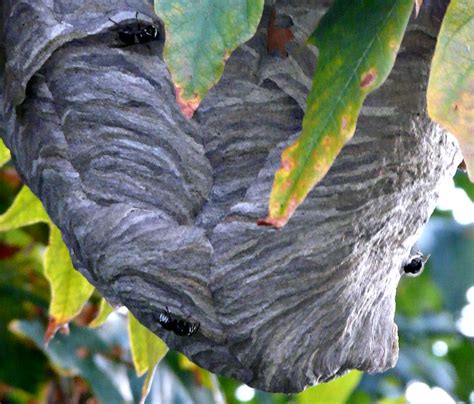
(142, 34)
(137, 33)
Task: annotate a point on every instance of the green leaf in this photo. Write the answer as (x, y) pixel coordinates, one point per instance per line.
(396, 400)
(4, 153)
(69, 289)
(26, 209)
(22, 294)
(354, 59)
(105, 310)
(200, 37)
(205, 378)
(75, 355)
(416, 296)
(462, 181)
(147, 351)
(461, 358)
(451, 85)
(17, 238)
(13, 395)
(451, 246)
(334, 392)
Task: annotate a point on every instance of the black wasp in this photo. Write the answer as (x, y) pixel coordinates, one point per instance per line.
(179, 327)
(132, 35)
(415, 264)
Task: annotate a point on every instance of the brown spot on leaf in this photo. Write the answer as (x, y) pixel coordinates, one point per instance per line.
(87, 314)
(287, 164)
(277, 37)
(368, 78)
(318, 167)
(187, 106)
(285, 185)
(116, 352)
(82, 352)
(292, 205)
(10, 177)
(344, 123)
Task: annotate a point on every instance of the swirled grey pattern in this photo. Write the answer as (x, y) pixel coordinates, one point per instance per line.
(160, 211)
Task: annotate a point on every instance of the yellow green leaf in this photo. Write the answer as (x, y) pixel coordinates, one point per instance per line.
(200, 37)
(105, 310)
(4, 153)
(147, 351)
(26, 209)
(334, 392)
(396, 400)
(450, 93)
(17, 238)
(354, 59)
(69, 289)
(202, 376)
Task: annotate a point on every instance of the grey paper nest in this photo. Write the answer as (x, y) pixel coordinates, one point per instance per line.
(160, 211)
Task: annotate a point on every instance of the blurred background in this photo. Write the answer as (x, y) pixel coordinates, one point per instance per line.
(435, 316)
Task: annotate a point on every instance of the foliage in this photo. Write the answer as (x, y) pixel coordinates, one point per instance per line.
(354, 60)
(25, 210)
(74, 355)
(23, 293)
(461, 180)
(4, 153)
(69, 291)
(451, 85)
(147, 351)
(105, 310)
(200, 36)
(336, 392)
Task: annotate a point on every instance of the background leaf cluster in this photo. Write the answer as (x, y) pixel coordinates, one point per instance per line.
(354, 59)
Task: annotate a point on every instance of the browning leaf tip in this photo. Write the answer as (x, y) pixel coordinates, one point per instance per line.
(268, 221)
(187, 106)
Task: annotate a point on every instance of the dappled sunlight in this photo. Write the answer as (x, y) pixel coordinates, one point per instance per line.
(421, 393)
(455, 199)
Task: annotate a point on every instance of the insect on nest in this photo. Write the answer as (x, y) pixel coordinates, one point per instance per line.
(182, 328)
(138, 33)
